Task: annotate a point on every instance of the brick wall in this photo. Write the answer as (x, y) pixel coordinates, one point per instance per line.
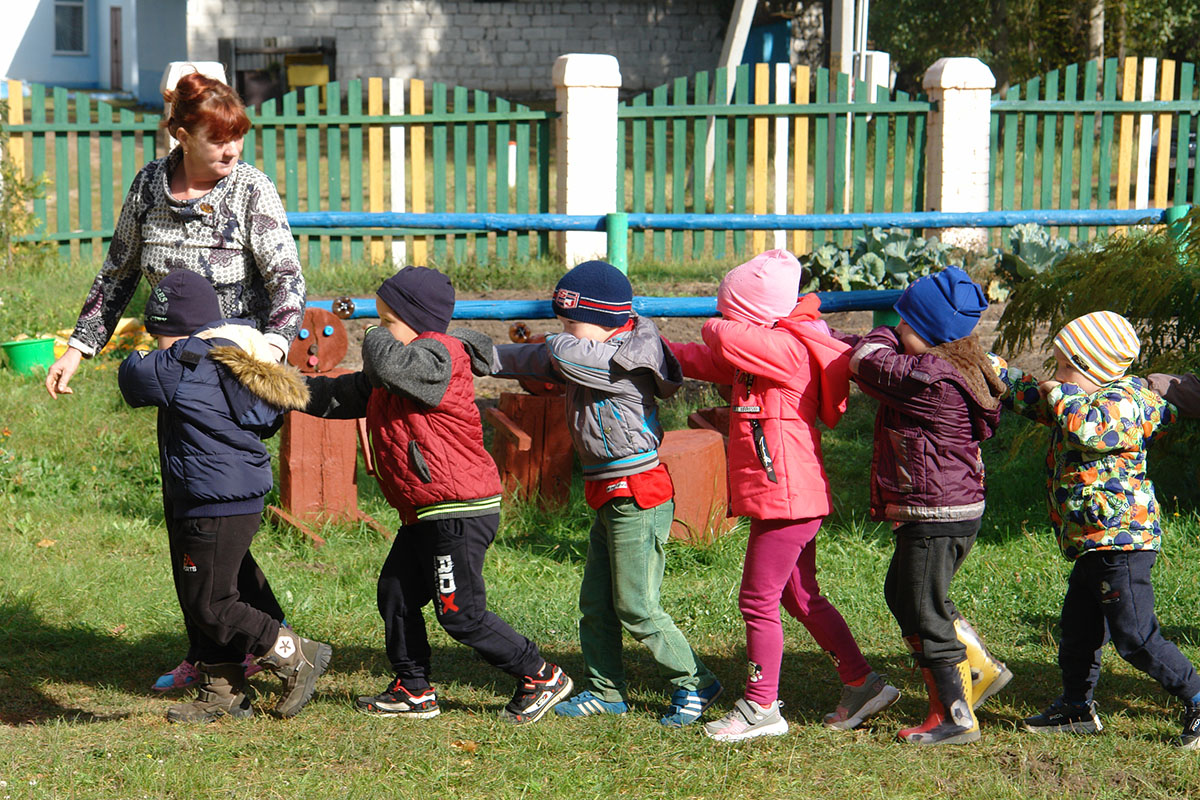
(507, 47)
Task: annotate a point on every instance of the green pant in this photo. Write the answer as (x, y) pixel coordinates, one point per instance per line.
(621, 583)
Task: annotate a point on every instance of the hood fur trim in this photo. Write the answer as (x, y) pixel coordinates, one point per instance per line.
(971, 361)
(280, 385)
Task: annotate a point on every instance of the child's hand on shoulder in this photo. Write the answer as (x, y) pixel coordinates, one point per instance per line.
(1047, 386)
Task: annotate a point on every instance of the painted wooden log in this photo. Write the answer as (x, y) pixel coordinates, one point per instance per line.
(532, 447)
(696, 461)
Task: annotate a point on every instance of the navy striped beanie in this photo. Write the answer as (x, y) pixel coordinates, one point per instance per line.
(595, 292)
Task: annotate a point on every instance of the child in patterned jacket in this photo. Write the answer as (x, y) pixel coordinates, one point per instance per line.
(1105, 517)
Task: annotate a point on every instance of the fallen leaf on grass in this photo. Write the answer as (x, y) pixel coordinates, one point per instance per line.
(47, 543)
(466, 745)
(117, 631)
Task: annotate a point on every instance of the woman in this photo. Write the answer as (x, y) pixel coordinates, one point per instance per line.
(202, 209)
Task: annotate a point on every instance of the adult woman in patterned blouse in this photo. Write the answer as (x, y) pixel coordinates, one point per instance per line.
(200, 208)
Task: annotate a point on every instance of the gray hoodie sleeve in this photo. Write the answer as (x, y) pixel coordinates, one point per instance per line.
(525, 361)
(583, 361)
(1182, 391)
(420, 369)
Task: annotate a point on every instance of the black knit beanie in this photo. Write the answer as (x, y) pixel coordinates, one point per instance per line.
(596, 292)
(422, 297)
(180, 304)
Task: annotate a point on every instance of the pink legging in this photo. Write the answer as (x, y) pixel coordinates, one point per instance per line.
(781, 566)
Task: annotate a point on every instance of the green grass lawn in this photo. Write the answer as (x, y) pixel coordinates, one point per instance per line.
(88, 618)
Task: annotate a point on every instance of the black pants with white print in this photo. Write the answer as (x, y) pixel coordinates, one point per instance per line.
(209, 555)
(442, 561)
(1109, 595)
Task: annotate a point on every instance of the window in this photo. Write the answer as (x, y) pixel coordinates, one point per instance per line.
(69, 33)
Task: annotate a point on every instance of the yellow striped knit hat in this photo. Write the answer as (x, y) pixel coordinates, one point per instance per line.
(1101, 344)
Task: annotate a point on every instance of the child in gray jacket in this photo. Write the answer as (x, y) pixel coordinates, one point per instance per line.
(615, 366)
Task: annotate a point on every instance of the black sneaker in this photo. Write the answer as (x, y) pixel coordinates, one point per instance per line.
(1190, 738)
(396, 701)
(1062, 716)
(537, 694)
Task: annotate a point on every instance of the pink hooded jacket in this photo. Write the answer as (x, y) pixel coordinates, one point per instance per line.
(786, 374)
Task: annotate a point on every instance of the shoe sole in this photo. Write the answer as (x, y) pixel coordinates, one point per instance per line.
(1074, 727)
(555, 699)
(879, 702)
(376, 711)
(774, 729)
(966, 737)
(289, 707)
(995, 686)
(236, 713)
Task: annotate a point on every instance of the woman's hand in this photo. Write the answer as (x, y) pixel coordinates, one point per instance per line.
(61, 371)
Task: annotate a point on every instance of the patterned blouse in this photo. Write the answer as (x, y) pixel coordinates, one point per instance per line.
(1098, 494)
(237, 236)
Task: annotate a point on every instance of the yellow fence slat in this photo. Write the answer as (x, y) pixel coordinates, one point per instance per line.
(1125, 150)
(1162, 161)
(416, 105)
(375, 161)
(800, 161)
(16, 116)
(762, 86)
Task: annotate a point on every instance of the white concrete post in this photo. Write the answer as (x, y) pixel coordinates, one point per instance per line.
(957, 148)
(586, 88)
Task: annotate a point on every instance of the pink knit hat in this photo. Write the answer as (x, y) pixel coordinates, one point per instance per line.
(762, 290)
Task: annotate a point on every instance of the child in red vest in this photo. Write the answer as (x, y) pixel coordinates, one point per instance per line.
(418, 395)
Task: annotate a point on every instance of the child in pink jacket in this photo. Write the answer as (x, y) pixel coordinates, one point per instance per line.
(787, 372)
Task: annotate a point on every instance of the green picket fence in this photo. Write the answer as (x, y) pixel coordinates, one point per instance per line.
(326, 148)
(828, 152)
(1061, 142)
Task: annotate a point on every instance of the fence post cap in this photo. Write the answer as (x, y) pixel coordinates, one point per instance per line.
(587, 69)
(958, 73)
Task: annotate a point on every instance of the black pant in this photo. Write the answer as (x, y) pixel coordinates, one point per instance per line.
(1109, 594)
(917, 587)
(442, 560)
(209, 557)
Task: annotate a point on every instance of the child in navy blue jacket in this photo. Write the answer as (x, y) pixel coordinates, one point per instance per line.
(219, 392)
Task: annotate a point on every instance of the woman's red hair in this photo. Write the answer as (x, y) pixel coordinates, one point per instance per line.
(200, 102)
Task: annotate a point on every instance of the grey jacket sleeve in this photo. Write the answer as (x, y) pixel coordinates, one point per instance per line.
(525, 361)
(343, 397)
(420, 370)
(479, 349)
(1181, 391)
(583, 361)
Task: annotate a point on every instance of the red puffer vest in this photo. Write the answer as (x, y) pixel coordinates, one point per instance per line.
(427, 456)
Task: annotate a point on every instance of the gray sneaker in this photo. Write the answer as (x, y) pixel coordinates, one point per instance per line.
(858, 703)
(747, 720)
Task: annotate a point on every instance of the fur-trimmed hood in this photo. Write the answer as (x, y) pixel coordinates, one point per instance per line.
(251, 360)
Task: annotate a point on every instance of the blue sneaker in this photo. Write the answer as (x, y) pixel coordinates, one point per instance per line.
(585, 704)
(687, 705)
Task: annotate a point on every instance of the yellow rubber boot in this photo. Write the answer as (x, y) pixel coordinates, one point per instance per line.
(988, 674)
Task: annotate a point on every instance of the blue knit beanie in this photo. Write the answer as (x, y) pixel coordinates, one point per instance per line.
(596, 292)
(942, 307)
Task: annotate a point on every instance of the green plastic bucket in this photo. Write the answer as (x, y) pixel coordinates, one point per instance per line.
(27, 355)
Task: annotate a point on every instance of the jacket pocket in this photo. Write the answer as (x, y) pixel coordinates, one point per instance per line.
(416, 460)
(906, 472)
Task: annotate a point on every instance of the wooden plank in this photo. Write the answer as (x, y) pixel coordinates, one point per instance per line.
(1166, 92)
(720, 156)
(543, 183)
(1125, 155)
(62, 173)
(250, 143)
(820, 203)
(1008, 176)
(416, 105)
(269, 136)
(699, 179)
(460, 169)
(679, 97)
(1104, 169)
(879, 170)
(918, 167)
(840, 130)
(1066, 179)
(741, 130)
(375, 160)
(1087, 146)
(333, 159)
(502, 190)
(480, 130)
(1049, 150)
(800, 239)
(107, 155)
(783, 91)
(659, 156)
(637, 155)
(83, 170)
(291, 156)
(521, 134)
(1029, 163)
(37, 116)
(858, 157)
(1181, 194)
(762, 78)
(354, 146)
(16, 116)
(1145, 123)
(312, 166)
(438, 170)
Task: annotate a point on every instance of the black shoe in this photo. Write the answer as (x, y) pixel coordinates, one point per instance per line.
(1190, 738)
(1062, 716)
(396, 701)
(537, 694)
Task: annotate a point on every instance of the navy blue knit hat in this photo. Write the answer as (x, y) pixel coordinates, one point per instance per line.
(596, 292)
(180, 304)
(422, 297)
(942, 307)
